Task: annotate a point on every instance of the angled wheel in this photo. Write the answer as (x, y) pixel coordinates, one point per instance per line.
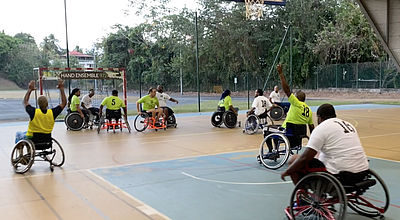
(251, 124)
(230, 119)
(318, 196)
(141, 122)
(171, 121)
(276, 113)
(277, 156)
(23, 156)
(74, 122)
(128, 126)
(371, 198)
(58, 157)
(216, 119)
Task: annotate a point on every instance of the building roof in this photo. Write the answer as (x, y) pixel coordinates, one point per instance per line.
(77, 54)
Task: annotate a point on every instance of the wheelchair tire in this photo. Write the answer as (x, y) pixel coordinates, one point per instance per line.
(372, 201)
(280, 151)
(230, 119)
(58, 152)
(277, 113)
(141, 122)
(23, 156)
(74, 122)
(171, 121)
(251, 125)
(216, 119)
(318, 195)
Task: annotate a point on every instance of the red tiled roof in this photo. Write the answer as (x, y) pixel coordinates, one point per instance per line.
(77, 54)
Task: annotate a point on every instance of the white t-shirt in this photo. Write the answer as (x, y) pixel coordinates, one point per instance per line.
(162, 99)
(339, 146)
(261, 103)
(275, 96)
(87, 101)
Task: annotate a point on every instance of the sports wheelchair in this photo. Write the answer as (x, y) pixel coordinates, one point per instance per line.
(113, 121)
(254, 122)
(279, 111)
(229, 118)
(320, 195)
(41, 146)
(279, 144)
(144, 121)
(75, 122)
(171, 120)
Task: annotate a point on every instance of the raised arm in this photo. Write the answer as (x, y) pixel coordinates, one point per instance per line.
(60, 86)
(285, 85)
(173, 100)
(31, 87)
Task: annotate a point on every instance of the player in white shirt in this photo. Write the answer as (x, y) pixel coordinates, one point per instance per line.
(275, 97)
(162, 100)
(261, 105)
(86, 104)
(339, 149)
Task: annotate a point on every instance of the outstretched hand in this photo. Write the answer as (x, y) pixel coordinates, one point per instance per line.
(279, 68)
(60, 84)
(31, 85)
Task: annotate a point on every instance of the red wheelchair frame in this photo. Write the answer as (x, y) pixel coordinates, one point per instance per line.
(149, 122)
(112, 125)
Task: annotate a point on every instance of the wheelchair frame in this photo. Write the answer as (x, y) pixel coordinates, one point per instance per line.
(323, 195)
(281, 149)
(24, 154)
(78, 123)
(260, 123)
(105, 124)
(148, 122)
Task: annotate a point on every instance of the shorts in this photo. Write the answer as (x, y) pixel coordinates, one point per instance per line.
(113, 114)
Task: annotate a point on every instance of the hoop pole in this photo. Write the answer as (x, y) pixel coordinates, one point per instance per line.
(276, 57)
(125, 97)
(197, 60)
(40, 81)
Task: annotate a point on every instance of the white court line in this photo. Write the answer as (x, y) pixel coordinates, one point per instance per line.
(233, 183)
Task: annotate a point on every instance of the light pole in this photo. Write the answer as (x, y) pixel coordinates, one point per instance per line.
(66, 39)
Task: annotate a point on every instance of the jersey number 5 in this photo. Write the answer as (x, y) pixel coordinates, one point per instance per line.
(113, 101)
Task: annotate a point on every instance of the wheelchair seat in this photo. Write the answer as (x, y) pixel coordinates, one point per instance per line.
(42, 141)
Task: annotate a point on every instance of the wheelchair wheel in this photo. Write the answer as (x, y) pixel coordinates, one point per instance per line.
(318, 196)
(23, 156)
(279, 153)
(141, 122)
(171, 121)
(74, 122)
(251, 124)
(230, 119)
(277, 113)
(128, 126)
(371, 200)
(216, 119)
(58, 157)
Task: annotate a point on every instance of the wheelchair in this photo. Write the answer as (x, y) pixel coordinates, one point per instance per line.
(171, 120)
(254, 122)
(278, 112)
(229, 118)
(321, 195)
(75, 122)
(113, 122)
(144, 121)
(279, 144)
(41, 146)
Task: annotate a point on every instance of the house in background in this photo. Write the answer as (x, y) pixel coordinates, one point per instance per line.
(85, 60)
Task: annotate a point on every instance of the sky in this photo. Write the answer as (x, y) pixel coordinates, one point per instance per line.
(88, 20)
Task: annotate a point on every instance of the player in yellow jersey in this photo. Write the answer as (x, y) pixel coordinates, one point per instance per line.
(113, 107)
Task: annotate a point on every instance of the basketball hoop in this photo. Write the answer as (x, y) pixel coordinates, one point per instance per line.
(254, 9)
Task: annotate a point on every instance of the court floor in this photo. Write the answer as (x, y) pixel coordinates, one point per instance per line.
(192, 172)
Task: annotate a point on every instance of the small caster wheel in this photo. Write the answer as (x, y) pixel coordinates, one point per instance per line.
(51, 168)
(259, 159)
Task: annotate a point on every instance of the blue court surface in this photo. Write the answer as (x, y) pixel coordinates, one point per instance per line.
(224, 186)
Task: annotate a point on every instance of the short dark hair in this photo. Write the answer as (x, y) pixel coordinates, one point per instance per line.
(114, 92)
(260, 92)
(326, 111)
(151, 89)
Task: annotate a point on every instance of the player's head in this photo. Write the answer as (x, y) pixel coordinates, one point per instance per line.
(160, 88)
(152, 92)
(276, 88)
(259, 92)
(91, 92)
(114, 92)
(301, 96)
(325, 111)
(76, 92)
(42, 102)
(225, 94)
